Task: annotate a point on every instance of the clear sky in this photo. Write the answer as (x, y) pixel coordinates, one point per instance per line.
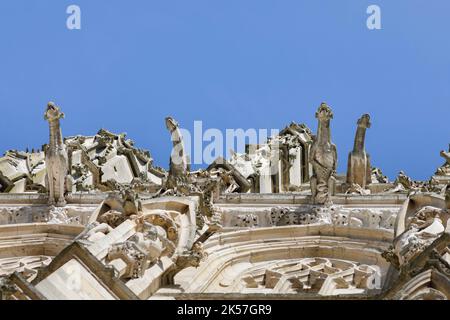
(233, 64)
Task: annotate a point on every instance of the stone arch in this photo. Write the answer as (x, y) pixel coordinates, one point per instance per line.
(234, 257)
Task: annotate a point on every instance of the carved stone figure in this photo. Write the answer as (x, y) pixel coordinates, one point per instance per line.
(245, 220)
(112, 218)
(402, 183)
(446, 156)
(284, 216)
(214, 238)
(141, 250)
(179, 165)
(94, 232)
(378, 176)
(445, 168)
(355, 188)
(7, 288)
(191, 258)
(323, 158)
(163, 219)
(423, 228)
(55, 157)
(359, 170)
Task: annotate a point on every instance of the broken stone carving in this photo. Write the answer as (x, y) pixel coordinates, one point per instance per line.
(359, 171)
(323, 158)
(377, 176)
(421, 249)
(219, 177)
(444, 170)
(403, 183)
(22, 172)
(152, 234)
(143, 249)
(355, 188)
(422, 230)
(179, 164)
(108, 162)
(422, 239)
(7, 288)
(280, 164)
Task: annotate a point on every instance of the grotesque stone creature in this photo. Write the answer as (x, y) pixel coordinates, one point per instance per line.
(323, 158)
(359, 170)
(55, 157)
(179, 166)
(163, 219)
(422, 229)
(445, 168)
(141, 250)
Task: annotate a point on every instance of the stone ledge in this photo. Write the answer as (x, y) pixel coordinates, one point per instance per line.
(293, 198)
(40, 198)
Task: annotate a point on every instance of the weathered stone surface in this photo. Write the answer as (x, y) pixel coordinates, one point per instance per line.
(323, 158)
(359, 170)
(56, 158)
(276, 222)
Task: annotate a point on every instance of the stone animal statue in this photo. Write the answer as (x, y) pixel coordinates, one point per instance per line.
(359, 170)
(323, 158)
(55, 157)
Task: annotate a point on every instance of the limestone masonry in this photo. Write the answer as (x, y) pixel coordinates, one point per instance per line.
(91, 217)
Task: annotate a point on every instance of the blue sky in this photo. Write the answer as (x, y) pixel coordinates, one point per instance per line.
(232, 64)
